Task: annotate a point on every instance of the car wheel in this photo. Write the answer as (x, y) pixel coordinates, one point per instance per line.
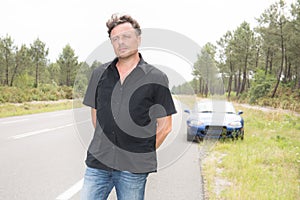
(242, 135)
(199, 139)
(189, 137)
(237, 136)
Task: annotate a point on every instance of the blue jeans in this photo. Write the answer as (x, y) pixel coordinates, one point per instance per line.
(99, 183)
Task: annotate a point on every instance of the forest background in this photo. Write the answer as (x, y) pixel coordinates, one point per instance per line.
(259, 65)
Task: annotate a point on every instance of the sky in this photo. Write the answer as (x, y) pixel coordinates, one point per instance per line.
(81, 23)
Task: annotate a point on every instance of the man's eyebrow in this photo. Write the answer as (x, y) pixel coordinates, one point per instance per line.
(123, 32)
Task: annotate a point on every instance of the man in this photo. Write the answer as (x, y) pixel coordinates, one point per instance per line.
(131, 108)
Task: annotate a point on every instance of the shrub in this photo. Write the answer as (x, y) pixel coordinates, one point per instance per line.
(261, 86)
(68, 92)
(24, 81)
(45, 92)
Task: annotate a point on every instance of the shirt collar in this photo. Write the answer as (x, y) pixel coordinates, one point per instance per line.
(141, 64)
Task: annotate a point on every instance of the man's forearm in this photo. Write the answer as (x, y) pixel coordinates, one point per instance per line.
(94, 116)
(164, 127)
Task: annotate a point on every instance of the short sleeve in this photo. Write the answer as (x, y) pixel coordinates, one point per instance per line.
(163, 98)
(90, 94)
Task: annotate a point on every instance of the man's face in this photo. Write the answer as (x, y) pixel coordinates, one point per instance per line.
(125, 40)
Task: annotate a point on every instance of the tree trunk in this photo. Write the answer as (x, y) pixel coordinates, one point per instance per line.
(206, 90)
(297, 78)
(248, 84)
(271, 63)
(235, 82)
(200, 85)
(238, 83)
(230, 78)
(281, 64)
(289, 74)
(68, 75)
(36, 75)
(267, 61)
(6, 70)
(257, 58)
(285, 74)
(244, 75)
(203, 88)
(14, 74)
(229, 85)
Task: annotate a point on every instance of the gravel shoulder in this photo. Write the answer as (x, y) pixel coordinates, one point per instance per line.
(270, 109)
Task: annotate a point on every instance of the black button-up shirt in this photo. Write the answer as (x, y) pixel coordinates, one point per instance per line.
(125, 134)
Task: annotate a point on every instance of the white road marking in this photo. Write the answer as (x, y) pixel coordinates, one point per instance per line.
(14, 121)
(68, 194)
(23, 135)
(56, 115)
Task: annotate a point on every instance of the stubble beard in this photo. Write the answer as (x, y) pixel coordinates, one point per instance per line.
(128, 54)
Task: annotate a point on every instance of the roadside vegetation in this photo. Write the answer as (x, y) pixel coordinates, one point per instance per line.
(255, 65)
(22, 100)
(45, 92)
(15, 109)
(265, 165)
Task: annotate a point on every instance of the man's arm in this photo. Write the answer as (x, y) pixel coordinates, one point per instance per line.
(94, 116)
(164, 127)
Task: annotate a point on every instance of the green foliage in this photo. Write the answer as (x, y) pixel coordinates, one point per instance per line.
(45, 92)
(261, 86)
(265, 165)
(185, 88)
(24, 81)
(68, 64)
(268, 52)
(286, 99)
(67, 92)
(38, 53)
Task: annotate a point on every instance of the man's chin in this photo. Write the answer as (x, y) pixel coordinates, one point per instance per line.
(126, 54)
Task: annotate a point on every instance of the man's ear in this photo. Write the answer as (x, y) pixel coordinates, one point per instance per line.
(139, 40)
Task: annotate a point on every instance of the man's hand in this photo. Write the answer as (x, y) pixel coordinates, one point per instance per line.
(164, 127)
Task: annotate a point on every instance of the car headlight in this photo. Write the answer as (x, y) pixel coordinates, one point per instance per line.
(195, 123)
(235, 124)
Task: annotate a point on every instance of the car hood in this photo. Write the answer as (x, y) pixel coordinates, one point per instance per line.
(220, 119)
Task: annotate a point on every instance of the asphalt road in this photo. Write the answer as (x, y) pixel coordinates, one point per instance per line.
(42, 157)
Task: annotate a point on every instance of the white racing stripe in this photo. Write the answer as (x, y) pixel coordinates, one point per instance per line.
(68, 194)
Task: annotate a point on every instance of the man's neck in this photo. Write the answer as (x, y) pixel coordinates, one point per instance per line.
(126, 65)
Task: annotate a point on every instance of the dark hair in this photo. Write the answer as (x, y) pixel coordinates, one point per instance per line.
(116, 19)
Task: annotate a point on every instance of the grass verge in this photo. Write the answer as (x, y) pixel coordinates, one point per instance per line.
(266, 165)
(10, 109)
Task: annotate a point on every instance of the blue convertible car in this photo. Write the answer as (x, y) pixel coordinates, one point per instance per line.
(214, 119)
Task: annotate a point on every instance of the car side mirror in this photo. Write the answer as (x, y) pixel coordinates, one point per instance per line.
(240, 112)
(187, 111)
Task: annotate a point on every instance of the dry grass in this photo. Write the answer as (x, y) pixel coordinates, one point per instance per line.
(10, 109)
(266, 165)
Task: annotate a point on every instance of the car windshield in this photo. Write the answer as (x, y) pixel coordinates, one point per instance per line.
(214, 107)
